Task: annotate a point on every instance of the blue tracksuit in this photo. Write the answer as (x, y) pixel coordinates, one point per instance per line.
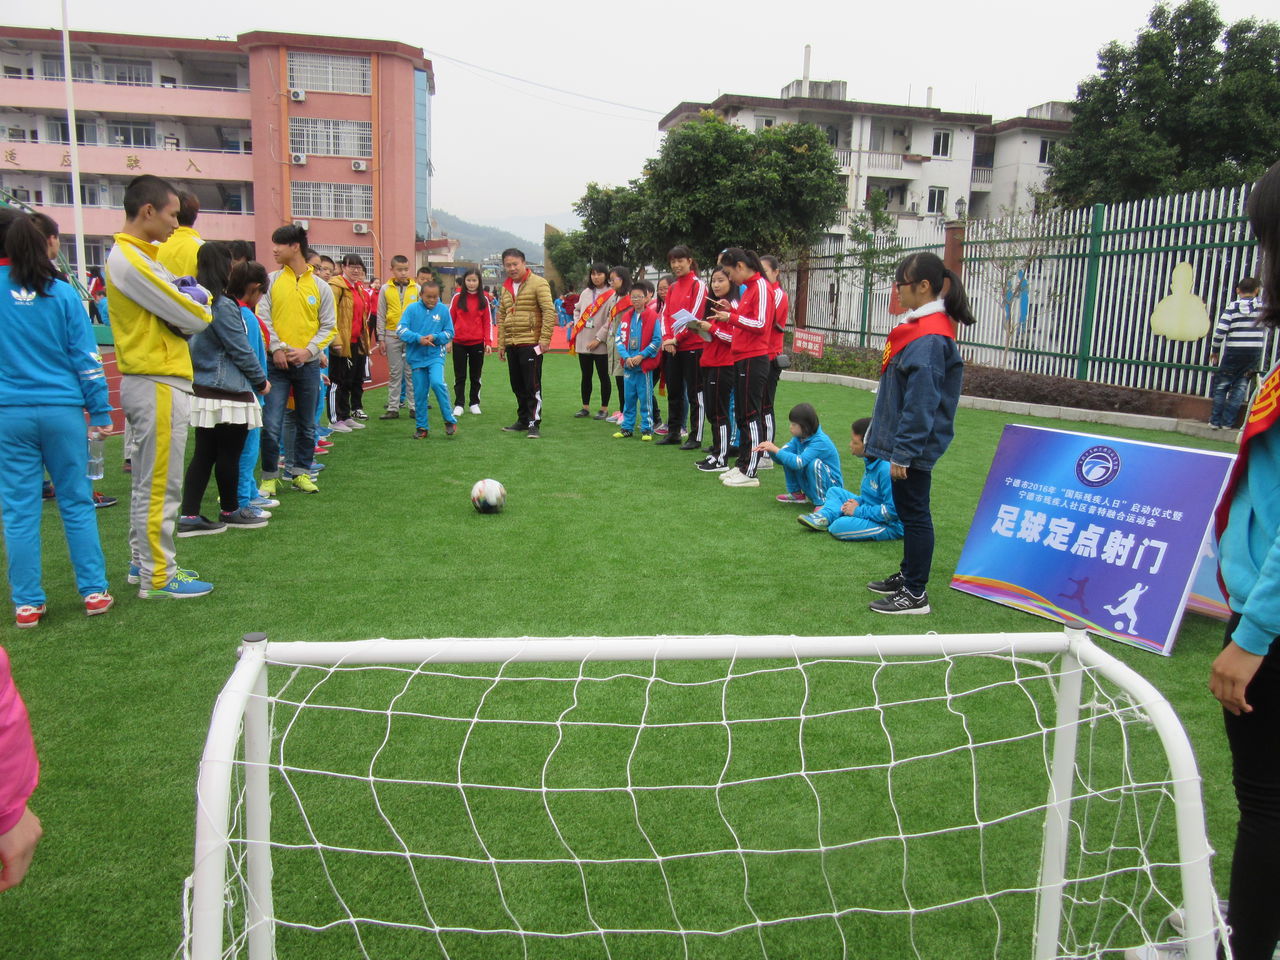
(427, 360)
(874, 518)
(248, 486)
(810, 465)
(50, 375)
(637, 384)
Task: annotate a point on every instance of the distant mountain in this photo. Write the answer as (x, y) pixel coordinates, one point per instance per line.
(480, 241)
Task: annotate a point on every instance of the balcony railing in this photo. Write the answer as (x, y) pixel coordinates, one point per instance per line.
(844, 158)
(135, 146)
(879, 160)
(981, 175)
(134, 83)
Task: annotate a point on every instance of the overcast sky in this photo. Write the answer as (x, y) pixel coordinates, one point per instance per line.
(512, 154)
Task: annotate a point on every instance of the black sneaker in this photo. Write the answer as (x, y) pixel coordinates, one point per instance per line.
(888, 586)
(582, 413)
(901, 602)
(710, 465)
(199, 527)
(516, 427)
(534, 433)
(602, 415)
(390, 415)
(690, 445)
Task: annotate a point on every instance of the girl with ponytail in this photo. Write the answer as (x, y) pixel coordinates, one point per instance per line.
(914, 418)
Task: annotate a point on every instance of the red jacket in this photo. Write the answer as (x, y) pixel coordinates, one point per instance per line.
(19, 769)
(719, 352)
(686, 293)
(471, 325)
(751, 320)
(781, 308)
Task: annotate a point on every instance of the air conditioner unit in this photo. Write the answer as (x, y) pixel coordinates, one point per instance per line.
(304, 224)
(298, 96)
(298, 159)
(359, 228)
(360, 166)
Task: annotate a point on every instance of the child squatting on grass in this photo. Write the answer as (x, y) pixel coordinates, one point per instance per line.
(810, 461)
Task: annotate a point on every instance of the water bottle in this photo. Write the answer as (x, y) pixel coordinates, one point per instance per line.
(96, 453)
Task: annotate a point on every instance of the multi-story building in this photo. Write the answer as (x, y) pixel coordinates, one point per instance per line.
(924, 159)
(265, 129)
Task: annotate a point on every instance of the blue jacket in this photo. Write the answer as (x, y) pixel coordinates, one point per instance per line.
(417, 321)
(630, 335)
(1250, 547)
(800, 452)
(256, 343)
(875, 496)
(48, 356)
(221, 358)
(914, 417)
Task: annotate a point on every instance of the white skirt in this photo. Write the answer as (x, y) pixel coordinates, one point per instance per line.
(207, 412)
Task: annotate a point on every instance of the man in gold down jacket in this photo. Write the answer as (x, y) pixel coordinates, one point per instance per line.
(526, 320)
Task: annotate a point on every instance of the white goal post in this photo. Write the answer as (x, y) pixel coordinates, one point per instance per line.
(1091, 886)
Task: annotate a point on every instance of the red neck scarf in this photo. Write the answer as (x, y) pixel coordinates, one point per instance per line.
(1262, 415)
(904, 333)
(511, 284)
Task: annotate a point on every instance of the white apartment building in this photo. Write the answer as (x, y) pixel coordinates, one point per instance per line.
(930, 162)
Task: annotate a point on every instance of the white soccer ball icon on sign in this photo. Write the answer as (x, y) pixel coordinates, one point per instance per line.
(488, 496)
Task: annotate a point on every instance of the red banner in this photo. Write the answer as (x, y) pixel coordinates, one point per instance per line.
(805, 341)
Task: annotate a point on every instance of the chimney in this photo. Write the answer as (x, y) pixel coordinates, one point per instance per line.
(804, 80)
(928, 97)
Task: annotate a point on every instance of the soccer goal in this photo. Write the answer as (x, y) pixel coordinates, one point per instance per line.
(986, 795)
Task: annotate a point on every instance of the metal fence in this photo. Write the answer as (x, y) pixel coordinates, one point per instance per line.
(1069, 294)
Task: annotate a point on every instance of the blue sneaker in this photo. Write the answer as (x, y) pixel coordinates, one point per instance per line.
(814, 521)
(178, 588)
(135, 575)
(264, 503)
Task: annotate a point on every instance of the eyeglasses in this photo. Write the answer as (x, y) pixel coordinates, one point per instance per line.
(905, 283)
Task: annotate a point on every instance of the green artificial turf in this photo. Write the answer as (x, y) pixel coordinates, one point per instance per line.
(599, 537)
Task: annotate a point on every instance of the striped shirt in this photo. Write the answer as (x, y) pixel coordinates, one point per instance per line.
(1239, 326)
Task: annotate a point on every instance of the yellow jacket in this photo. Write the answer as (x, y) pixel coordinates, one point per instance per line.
(150, 317)
(344, 311)
(391, 303)
(178, 253)
(298, 311)
(529, 317)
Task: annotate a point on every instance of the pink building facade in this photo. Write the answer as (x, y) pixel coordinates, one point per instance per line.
(265, 129)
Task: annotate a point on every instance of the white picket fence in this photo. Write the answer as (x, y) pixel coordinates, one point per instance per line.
(1070, 294)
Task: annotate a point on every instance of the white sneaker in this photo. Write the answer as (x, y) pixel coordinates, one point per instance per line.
(741, 480)
(353, 425)
(766, 463)
(340, 426)
(475, 408)
(457, 411)
(730, 474)
(1157, 951)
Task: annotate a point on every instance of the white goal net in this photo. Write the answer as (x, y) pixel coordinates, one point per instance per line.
(1015, 795)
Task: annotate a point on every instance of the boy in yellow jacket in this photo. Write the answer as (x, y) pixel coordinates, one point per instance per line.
(152, 319)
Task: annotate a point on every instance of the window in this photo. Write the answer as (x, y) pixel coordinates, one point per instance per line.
(325, 73)
(90, 193)
(21, 193)
(55, 131)
(16, 135)
(942, 143)
(877, 138)
(94, 252)
(937, 200)
(127, 133)
(132, 73)
(51, 67)
(764, 123)
(833, 134)
(12, 71)
(330, 138)
(1047, 150)
(336, 201)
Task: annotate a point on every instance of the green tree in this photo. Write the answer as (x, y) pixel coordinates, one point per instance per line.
(714, 184)
(1190, 104)
(564, 253)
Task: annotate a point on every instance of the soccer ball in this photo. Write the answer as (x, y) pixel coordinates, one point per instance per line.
(488, 496)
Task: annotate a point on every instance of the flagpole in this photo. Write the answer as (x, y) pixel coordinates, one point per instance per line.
(74, 149)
